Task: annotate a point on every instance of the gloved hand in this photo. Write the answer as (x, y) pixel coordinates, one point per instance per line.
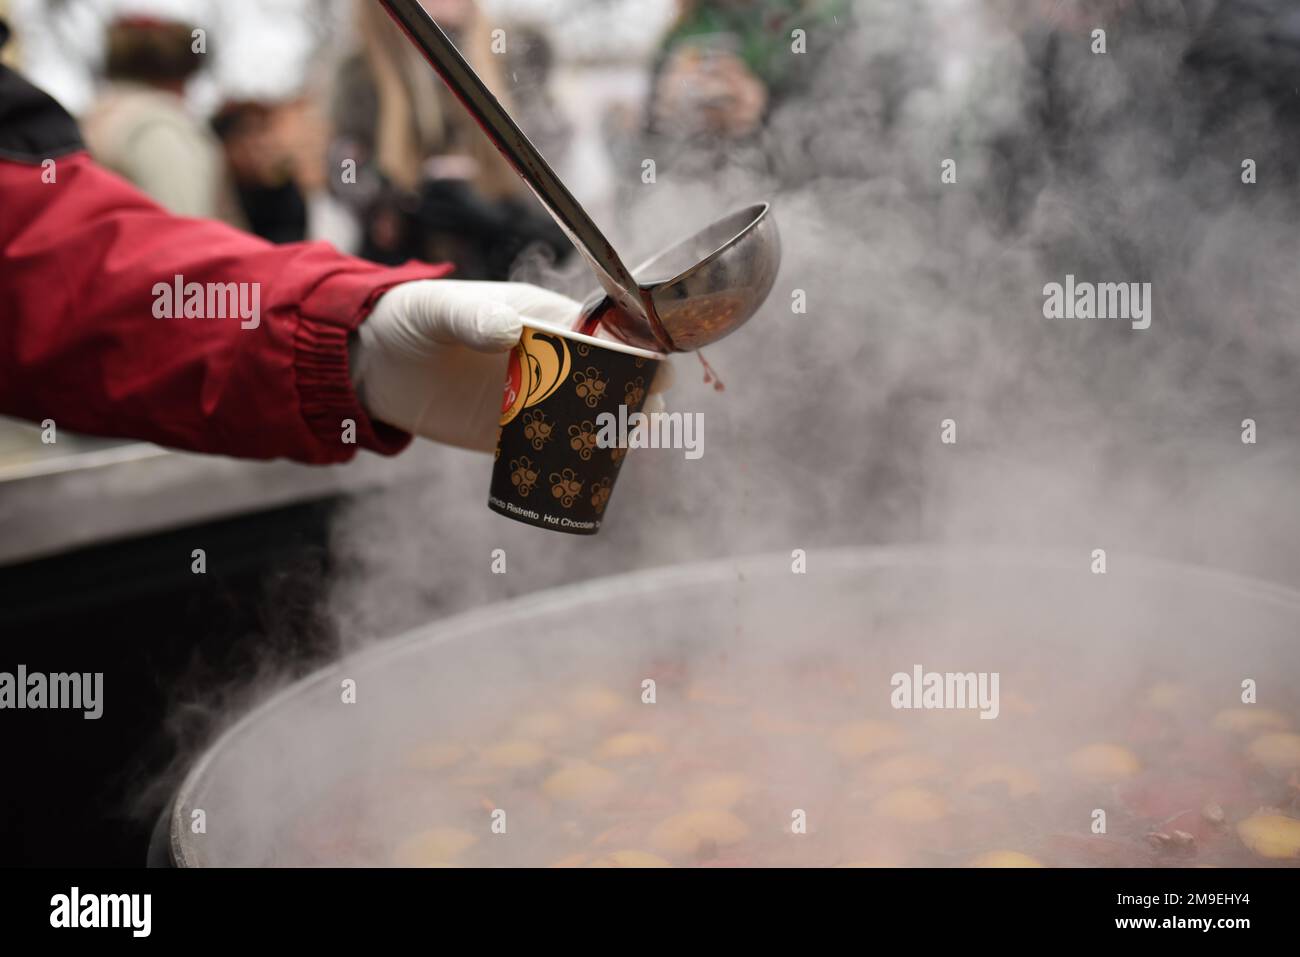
(431, 356)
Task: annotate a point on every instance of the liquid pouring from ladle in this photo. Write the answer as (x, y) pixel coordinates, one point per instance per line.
(690, 295)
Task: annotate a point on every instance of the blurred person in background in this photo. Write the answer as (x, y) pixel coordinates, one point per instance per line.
(275, 155)
(139, 126)
(270, 109)
(725, 63)
(428, 183)
(724, 67)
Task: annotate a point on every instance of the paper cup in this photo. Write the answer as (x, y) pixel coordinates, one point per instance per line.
(550, 469)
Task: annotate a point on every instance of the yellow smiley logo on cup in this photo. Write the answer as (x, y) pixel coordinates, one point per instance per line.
(539, 363)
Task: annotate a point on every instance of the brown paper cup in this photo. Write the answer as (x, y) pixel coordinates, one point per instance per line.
(550, 470)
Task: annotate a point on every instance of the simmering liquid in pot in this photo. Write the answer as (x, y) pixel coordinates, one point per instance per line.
(792, 767)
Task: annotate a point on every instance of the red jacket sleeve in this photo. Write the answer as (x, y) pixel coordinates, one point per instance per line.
(84, 338)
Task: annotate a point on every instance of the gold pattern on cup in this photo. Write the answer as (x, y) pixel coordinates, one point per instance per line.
(634, 392)
(590, 386)
(566, 486)
(582, 439)
(523, 475)
(536, 429)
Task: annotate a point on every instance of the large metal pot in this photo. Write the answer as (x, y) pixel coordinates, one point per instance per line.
(1079, 650)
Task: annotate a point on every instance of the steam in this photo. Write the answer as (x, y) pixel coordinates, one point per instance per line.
(925, 303)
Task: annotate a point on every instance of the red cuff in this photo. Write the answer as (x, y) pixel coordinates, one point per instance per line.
(327, 316)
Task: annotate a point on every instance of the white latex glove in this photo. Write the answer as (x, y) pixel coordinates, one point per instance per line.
(431, 356)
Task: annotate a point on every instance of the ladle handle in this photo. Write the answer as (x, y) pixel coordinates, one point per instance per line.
(519, 152)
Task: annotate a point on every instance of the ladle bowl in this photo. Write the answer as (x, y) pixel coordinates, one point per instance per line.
(702, 288)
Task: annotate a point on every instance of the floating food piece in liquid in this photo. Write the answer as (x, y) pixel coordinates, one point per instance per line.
(698, 830)
(581, 782)
(1004, 859)
(1250, 719)
(1271, 835)
(1017, 781)
(631, 744)
(514, 754)
(1172, 841)
(620, 833)
(717, 790)
(860, 738)
(595, 702)
(1105, 762)
(882, 861)
(630, 859)
(1167, 696)
(1279, 751)
(437, 847)
(904, 769)
(911, 804)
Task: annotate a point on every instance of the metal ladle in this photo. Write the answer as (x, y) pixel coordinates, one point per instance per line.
(690, 295)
